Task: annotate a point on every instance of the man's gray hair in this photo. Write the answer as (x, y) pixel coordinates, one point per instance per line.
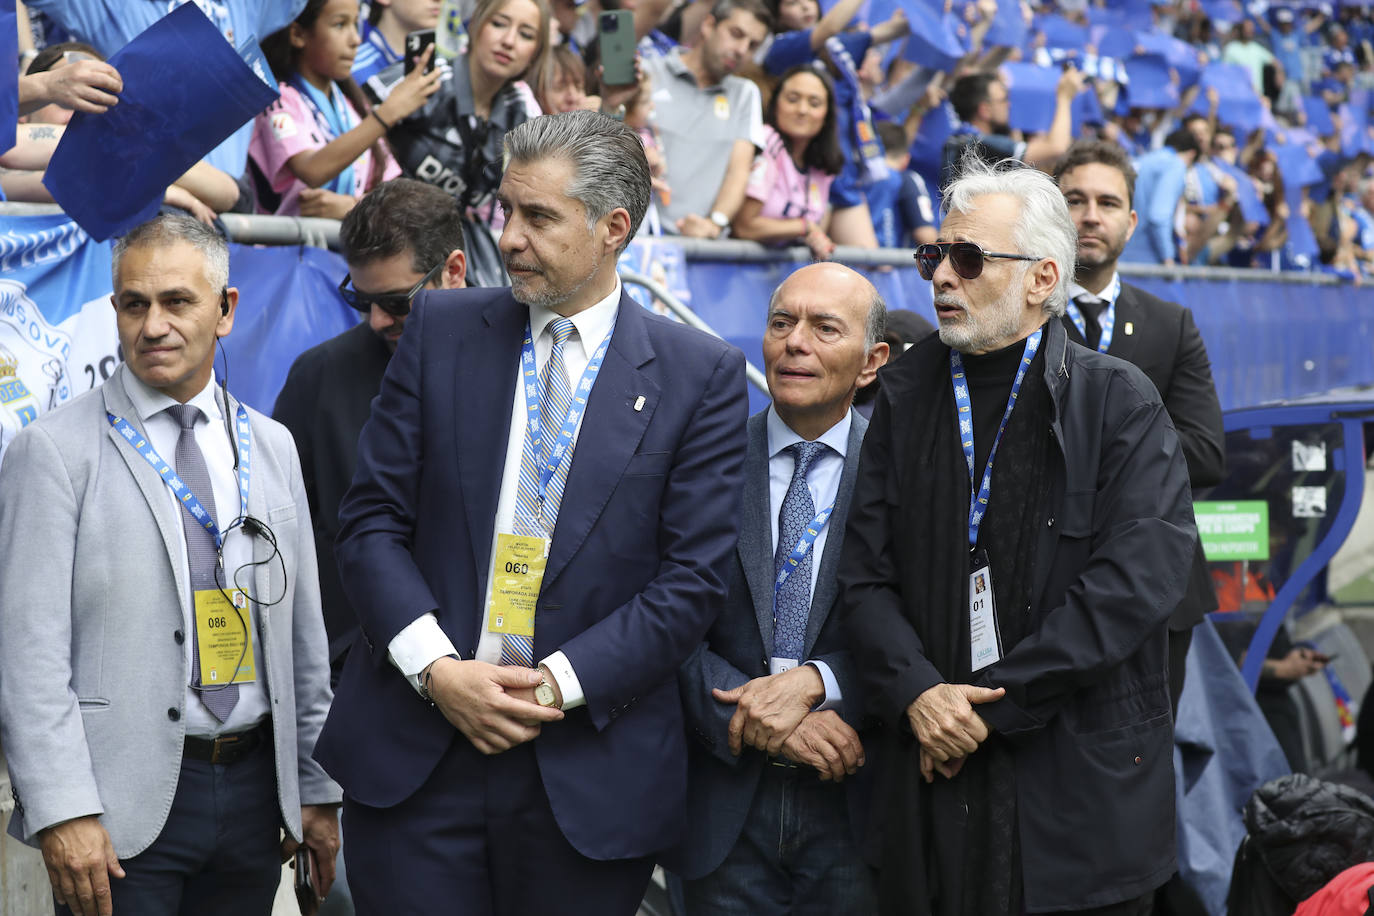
(166, 228)
(609, 166)
(1044, 228)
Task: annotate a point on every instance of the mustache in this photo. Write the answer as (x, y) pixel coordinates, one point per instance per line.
(516, 265)
(951, 301)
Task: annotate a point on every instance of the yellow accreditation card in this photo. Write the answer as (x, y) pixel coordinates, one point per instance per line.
(517, 572)
(224, 636)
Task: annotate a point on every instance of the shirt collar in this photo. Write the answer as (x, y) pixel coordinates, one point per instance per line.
(780, 435)
(148, 401)
(1108, 294)
(592, 323)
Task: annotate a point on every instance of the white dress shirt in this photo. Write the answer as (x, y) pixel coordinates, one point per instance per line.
(163, 432)
(1105, 296)
(423, 641)
(823, 480)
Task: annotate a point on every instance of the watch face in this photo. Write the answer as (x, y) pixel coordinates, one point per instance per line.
(543, 694)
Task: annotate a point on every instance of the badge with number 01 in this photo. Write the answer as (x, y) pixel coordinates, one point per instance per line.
(517, 572)
(985, 642)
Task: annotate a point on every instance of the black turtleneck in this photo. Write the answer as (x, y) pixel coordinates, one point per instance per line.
(989, 382)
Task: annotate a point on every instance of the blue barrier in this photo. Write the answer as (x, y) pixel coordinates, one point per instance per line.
(1268, 338)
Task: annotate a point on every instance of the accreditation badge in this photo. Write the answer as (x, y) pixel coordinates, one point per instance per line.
(723, 107)
(224, 637)
(985, 642)
(517, 573)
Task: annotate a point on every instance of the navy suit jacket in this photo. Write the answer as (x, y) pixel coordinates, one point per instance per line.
(636, 571)
(721, 786)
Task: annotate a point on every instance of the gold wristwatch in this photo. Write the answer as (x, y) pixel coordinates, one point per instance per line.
(544, 693)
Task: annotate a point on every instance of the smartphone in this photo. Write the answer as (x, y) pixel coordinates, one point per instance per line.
(616, 29)
(416, 42)
(306, 897)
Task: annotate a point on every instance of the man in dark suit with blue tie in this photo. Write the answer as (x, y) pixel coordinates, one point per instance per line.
(550, 474)
(772, 698)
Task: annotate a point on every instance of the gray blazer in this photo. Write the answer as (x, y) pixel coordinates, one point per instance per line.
(721, 786)
(92, 679)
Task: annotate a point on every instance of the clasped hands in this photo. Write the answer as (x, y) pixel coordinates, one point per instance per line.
(949, 729)
(774, 714)
(493, 705)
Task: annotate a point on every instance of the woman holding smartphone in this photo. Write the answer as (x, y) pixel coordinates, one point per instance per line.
(454, 141)
(319, 147)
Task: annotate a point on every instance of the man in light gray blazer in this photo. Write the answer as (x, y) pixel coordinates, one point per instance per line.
(163, 663)
(771, 696)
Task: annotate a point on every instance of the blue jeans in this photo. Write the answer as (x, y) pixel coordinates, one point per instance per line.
(795, 855)
(220, 850)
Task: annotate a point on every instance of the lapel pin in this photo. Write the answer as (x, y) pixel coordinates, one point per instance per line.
(639, 403)
(1130, 328)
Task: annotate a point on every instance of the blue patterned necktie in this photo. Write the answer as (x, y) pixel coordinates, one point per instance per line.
(532, 520)
(201, 555)
(792, 602)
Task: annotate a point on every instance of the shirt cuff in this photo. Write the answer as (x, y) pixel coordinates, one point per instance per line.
(420, 643)
(832, 686)
(569, 687)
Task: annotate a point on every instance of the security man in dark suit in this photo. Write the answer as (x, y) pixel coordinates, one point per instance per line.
(403, 237)
(1160, 337)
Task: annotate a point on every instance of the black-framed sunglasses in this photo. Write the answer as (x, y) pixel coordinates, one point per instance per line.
(965, 257)
(397, 304)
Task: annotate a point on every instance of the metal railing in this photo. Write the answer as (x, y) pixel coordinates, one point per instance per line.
(753, 373)
(252, 229)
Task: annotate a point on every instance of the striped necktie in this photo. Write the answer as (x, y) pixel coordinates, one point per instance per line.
(792, 603)
(531, 518)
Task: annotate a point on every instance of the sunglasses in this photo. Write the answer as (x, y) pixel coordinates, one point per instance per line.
(965, 257)
(397, 304)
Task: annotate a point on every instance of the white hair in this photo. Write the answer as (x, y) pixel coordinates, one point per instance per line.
(1044, 229)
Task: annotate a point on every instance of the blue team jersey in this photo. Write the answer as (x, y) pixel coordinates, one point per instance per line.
(374, 55)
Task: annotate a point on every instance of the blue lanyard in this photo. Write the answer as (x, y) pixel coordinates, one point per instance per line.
(182, 492)
(1107, 322)
(331, 116)
(804, 545)
(575, 410)
(978, 502)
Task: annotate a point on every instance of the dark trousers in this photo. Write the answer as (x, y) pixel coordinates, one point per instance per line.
(795, 855)
(479, 838)
(220, 850)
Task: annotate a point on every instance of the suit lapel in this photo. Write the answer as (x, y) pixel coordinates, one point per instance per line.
(487, 362)
(611, 430)
(827, 586)
(149, 482)
(1124, 346)
(756, 527)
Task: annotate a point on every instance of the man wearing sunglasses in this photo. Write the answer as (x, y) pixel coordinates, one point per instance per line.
(403, 237)
(1021, 530)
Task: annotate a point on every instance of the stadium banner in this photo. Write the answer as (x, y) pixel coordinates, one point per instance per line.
(58, 337)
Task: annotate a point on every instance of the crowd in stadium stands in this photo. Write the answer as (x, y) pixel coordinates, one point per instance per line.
(794, 121)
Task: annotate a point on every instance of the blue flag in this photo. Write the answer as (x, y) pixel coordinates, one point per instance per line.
(1008, 27)
(1151, 85)
(9, 76)
(1238, 105)
(1031, 90)
(185, 91)
(1061, 33)
(934, 40)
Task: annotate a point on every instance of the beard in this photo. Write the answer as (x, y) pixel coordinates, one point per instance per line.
(1108, 254)
(989, 329)
(547, 296)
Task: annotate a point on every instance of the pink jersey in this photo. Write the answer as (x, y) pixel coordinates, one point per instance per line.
(785, 191)
(289, 127)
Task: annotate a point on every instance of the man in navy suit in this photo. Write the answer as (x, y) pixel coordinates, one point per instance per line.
(550, 474)
(772, 696)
